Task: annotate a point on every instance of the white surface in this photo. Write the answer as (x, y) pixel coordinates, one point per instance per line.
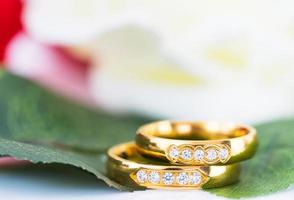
(55, 184)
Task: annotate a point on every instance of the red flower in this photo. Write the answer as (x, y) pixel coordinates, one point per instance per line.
(10, 22)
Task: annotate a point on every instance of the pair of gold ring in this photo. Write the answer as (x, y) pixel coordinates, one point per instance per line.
(182, 155)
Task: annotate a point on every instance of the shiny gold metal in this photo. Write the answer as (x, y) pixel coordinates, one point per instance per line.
(197, 143)
(130, 169)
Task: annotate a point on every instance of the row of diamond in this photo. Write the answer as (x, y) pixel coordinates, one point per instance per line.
(168, 178)
(209, 154)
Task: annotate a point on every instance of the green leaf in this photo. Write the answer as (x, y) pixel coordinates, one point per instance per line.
(93, 163)
(272, 168)
(38, 126)
(31, 114)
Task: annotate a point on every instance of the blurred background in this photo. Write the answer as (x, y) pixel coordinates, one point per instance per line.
(217, 60)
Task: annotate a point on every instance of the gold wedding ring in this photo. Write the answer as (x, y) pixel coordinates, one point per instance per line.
(130, 169)
(197, 143)
(182, 155)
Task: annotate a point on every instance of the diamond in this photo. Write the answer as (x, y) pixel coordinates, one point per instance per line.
(154, 177)
(168, 178)
(186, 154)
(211, 154)
(174, 153)
(141, 176)
(198, 154)
(195, 178)
(223, 153)
(183, 178)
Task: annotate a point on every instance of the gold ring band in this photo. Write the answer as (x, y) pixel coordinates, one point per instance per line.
(197, 143)
(128, 168)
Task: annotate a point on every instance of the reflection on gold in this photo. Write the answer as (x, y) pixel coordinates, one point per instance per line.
(217, 171)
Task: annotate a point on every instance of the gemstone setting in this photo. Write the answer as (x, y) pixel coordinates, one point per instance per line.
(183, 178)
(186, 154)
(223, 153)
(211, 154)
(199, 154)
(168, 178)
(173, 153)
(195, 178)
(154, 177)
(142, 176)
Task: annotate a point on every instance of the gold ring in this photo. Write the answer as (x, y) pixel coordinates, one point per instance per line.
(128, 168)
(197, 143)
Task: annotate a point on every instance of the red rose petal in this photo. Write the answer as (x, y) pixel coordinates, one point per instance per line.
(10, 22)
